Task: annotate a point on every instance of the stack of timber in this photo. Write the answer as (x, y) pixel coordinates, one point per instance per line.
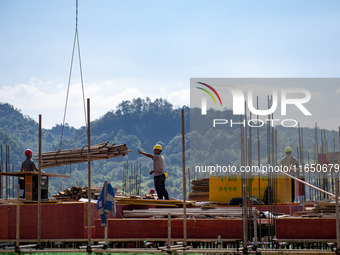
(138, 200)
(199, 190)
(79, 155)
(78, 192)
(324, 209)
(211, 213)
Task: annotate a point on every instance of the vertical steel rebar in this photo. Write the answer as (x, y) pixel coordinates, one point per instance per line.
(1, 170)
(259, 163)
(337, 203)
(189, 184)
(13, 185)
(244, 190)
(250, 179)
(140, 176)
(269, 187)
(6, 171)
(169, 231)
(18, 218)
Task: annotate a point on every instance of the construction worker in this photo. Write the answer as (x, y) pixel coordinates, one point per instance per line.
(158, 171)
(289, 160)
(28, 164)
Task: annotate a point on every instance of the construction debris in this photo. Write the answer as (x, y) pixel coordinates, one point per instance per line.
(200, 190)
(79, 155)
(78, 192)
(323, 209)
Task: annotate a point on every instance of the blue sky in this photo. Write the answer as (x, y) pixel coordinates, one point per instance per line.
(139, 48)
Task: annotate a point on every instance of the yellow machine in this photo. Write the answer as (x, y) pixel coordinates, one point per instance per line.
(223, 189)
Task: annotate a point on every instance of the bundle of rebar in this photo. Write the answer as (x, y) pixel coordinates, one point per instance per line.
(79, 155)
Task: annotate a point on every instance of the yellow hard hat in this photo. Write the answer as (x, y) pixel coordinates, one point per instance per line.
(288, 149)
(157, 147)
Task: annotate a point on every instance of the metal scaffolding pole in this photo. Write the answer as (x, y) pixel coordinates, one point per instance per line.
(337, 205)
(184, 185)
(89, 250)
(39, 186)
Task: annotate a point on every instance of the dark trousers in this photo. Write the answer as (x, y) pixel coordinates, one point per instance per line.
(160, 187)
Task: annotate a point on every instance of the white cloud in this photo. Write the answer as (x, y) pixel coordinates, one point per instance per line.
(179, 98)
(46, 98)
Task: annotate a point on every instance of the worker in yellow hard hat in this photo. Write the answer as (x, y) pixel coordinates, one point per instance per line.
(289, 160)
(158, 171)
(288, 150)
(291, 163)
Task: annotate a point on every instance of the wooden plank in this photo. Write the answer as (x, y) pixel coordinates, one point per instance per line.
(4, 222)
(29, 187)
(178, 212)
(59, 221)
(163, 205)
(28, 173)
(158, 228)
(151, 201)
(302, 228)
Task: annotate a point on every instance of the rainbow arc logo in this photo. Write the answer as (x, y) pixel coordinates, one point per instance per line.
(204, 100)
(213, 90)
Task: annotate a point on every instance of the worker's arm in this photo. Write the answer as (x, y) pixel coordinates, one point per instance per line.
(21, 169)
(36, 169)
(145, 154)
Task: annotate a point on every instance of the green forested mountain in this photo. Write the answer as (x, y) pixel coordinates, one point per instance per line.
(222, 144)
(140, 124)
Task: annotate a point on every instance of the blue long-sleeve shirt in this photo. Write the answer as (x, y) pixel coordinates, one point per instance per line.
(106, 202)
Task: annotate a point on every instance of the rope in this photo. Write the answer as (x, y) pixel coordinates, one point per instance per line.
(80, 66)
(81, 152)
(76, 39)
